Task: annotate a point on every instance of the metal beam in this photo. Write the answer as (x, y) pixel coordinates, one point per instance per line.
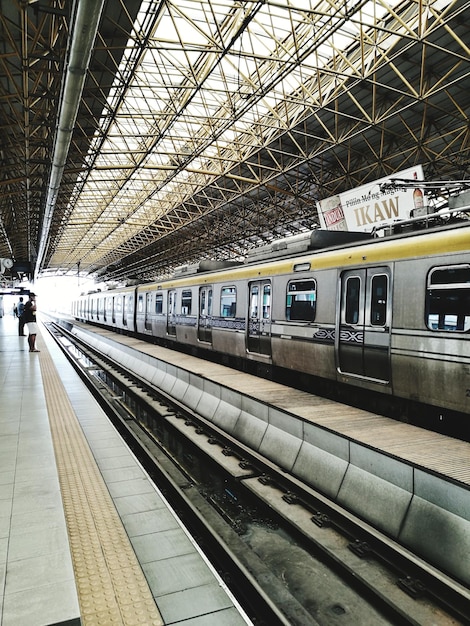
(84, 31)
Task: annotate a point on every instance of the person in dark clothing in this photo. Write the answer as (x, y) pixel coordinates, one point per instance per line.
(30, 319)
(20, 316)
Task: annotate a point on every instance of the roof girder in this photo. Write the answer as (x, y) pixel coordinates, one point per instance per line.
(200, 113)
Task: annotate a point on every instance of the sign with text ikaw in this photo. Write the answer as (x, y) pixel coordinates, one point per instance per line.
(367, 207)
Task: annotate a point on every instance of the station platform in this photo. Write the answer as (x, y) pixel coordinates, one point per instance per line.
(85, 537)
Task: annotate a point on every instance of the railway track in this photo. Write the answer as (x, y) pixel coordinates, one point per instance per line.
(288, 554)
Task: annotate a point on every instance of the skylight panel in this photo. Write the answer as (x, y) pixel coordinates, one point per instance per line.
(197, 101)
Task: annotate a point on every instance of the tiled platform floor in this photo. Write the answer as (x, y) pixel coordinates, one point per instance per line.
(36, 573)
(47, 579)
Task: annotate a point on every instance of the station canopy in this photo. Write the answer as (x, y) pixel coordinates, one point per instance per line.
(139, 136)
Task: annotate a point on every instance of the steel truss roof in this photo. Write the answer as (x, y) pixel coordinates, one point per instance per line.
(173, 131)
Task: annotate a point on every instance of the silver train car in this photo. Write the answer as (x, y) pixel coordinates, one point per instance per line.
(390, 316)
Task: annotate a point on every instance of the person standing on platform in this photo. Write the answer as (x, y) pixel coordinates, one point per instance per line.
(30, 319)
(20, 316)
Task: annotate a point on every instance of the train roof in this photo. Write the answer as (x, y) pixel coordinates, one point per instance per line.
(451, 238)
(320, 240)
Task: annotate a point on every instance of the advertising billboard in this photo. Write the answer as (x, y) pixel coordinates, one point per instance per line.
(366, 208)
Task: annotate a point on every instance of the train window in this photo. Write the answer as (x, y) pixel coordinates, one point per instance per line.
(140, 303)
(448, 299)
(254, 302)
(228, 301)
(301, 300)
(186, 300)
(205, 301)
(159, 303)
(378, 298)
(353, 288)
(266, 302)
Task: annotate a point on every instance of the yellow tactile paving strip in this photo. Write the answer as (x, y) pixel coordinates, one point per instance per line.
(112, 589)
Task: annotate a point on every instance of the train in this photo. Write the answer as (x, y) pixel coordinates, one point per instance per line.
(382, 317)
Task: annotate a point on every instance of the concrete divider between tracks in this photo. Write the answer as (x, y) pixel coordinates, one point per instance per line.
(423, 512)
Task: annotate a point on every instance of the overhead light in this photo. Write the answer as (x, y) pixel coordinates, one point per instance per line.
(5, 264)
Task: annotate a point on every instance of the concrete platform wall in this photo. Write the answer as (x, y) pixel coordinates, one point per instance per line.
(423, 512)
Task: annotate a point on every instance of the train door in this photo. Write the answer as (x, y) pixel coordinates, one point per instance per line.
(101, 313)
(171, 313)
(259, 321)
(117, 310)
(108, 309)
(148, 310)
(124, 309)
(204, 328)
(363, 336)
(112, 310)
